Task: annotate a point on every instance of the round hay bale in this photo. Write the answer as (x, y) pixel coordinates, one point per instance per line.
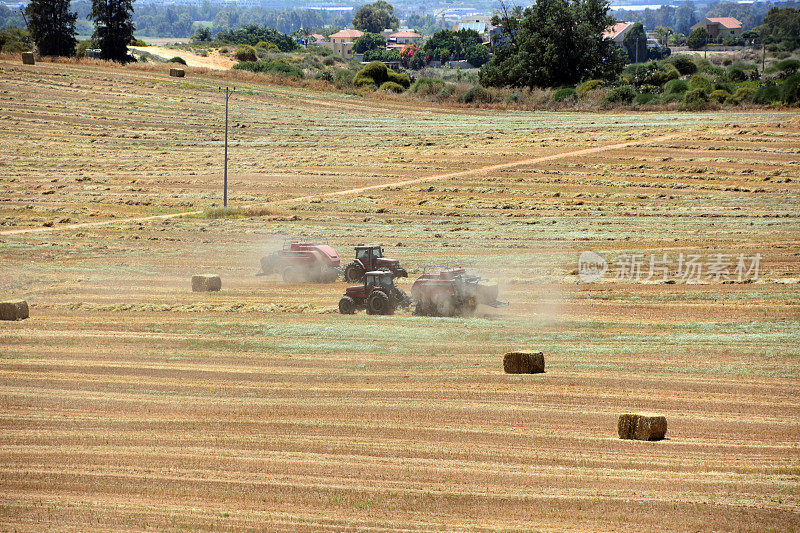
(206, 283)
(642, 426)
(14, 310)
(523, 363)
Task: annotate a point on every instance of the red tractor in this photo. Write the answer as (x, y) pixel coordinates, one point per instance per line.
(378, 295)
(370, 258)
(452, 291)
(303, 261)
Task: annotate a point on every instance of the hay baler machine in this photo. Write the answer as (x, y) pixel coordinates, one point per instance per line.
(370, 258)
(301, 261)
(452, 291)
(378, 295)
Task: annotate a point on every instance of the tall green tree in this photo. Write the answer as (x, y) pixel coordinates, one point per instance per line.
(698, 39)
(557, 42)
(374, 18)
(635, 43)
(113, 28)
(52, 27)
(367, 42)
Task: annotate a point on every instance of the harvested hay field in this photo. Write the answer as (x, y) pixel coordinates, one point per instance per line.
(129, 402)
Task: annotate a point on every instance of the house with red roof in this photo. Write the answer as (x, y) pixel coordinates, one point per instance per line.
(720, 26)
(346, 36)
(404, 37)
(617, 32)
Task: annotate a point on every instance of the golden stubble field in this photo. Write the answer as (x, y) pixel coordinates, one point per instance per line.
(129, 402)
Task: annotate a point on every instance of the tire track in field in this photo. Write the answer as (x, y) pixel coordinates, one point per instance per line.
(358, 190)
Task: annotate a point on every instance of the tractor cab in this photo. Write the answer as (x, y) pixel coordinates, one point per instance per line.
(368, 254)
(379, 278)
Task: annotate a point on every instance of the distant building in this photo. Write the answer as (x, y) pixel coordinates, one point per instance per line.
(344, 50)
(720, 27)
(346, 36)
(617, 32)
(479, 23)
(404, 37)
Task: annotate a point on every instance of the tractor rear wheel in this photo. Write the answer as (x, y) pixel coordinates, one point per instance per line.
(378, 303)
(354, 272)
(347, 306)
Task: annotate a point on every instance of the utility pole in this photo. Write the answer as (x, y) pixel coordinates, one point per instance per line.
(228, 92)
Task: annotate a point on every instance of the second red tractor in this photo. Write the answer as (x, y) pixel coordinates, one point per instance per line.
(370, 258)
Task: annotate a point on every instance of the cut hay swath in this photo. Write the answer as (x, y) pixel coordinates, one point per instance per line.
(523, 363)
(642, 426)
(206, 283)
(14, 310)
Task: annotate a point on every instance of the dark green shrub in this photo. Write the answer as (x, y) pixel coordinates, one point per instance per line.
(343, 78)
(399, 78)
(620, 95)
(361, 80)
(766, 95)
(446, 91)
(700, 82)
(245, 53)
(475, 95)
(790, 90)
(427, 86)
(672, 97)
(392, 87)
(695, 100)
(787, 65)
(565, 93)
(719, 96)
(653, 73)
(137, 42)
(736, 74)
(376, 70)
(588, 86)
(676, 87)
(742, 94)
(277, 67)
(177, 59)
(684, 65)
(325, 75)
(646, 98)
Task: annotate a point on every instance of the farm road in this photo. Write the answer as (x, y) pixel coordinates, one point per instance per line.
(358, 190)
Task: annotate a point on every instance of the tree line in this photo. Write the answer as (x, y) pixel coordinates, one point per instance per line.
(51, 24)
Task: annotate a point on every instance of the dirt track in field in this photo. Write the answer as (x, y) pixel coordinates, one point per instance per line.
(129, 402)
(358, 190)
(214, 61)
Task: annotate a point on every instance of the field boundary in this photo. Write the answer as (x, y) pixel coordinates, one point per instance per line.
(357, 190)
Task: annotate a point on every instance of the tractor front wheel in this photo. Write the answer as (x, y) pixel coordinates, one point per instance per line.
(379, 304)
(347, 306)
(354, 272)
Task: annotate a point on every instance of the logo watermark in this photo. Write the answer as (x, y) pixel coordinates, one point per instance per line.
(664, 267)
